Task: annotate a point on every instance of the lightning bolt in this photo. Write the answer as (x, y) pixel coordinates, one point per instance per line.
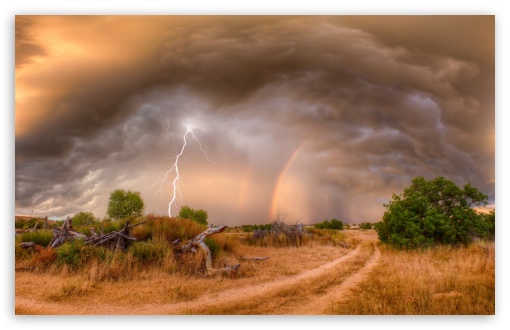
(175, 166)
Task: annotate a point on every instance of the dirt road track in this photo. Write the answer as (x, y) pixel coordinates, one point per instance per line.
(317, 305)
(322, 304)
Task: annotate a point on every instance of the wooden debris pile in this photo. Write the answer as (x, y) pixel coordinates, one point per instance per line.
(196, 244)
(65, 233)
(120, 239)
(278, 228)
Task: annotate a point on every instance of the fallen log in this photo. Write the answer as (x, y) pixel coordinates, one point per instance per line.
(198, 242)
(30, 245)
(253, 259)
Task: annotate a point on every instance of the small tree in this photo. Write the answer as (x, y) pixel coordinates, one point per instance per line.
(199, 216)
(433, 212)
(124, 204)
(83, 219)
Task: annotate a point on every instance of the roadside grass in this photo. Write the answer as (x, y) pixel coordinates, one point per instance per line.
(122, 279)
(438, 281)
(285, 300)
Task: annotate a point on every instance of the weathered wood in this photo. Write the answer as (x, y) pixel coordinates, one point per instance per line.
(27, 245)
(198, 242)
(120, 239)
(254, 259)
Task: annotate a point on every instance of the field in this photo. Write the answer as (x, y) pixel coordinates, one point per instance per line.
(318, 277)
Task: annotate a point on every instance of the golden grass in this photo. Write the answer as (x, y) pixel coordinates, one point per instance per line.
(123, 282)
(438, 281)
(285, 300)
(441, 280)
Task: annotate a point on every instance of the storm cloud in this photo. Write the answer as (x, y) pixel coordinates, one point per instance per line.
(314, 116)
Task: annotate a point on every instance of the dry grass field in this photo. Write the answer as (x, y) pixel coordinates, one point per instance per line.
(315, 278)
(439, 281)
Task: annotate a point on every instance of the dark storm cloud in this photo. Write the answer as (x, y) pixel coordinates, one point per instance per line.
(376, 100)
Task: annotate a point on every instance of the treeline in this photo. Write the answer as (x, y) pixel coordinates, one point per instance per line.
(330, 224)
(251, 228)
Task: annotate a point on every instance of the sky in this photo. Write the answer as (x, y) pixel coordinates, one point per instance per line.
(312, 117)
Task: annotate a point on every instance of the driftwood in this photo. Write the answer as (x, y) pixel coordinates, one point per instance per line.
(120, 239)
(30, 245)
(65, 233)
(254, 259)
(196, 243)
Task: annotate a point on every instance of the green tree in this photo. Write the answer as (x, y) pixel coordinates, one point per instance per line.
(125, 204)
(83, 219)
(433, 212)
(199, 216)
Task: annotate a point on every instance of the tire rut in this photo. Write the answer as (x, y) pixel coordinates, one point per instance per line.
(323, 304)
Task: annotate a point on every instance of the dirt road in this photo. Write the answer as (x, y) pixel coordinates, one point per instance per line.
(316, 303)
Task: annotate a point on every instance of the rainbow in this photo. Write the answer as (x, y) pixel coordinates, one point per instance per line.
(276, 191)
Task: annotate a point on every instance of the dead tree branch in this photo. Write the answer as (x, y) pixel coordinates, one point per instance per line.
(198, 242)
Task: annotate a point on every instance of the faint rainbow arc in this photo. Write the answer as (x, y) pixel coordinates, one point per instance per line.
(274, 201)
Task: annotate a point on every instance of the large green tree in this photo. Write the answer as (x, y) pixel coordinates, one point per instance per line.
(433, 212)
(125, 204)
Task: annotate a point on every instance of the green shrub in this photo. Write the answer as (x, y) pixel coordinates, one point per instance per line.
(199, 216)
(215, 248)
(150, 252)
(365, 225)
(433, 212)
(83, 219)
(27, 224)
(333, 224)
(40, 237)
(74, 254)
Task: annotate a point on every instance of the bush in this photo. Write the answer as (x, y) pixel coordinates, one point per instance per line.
(40, 237)
(27, 224)
(83, 219)
(433, 212)
(365, 225)
(72, 254)
(199, 216)
(150, 252)
(327, 224)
